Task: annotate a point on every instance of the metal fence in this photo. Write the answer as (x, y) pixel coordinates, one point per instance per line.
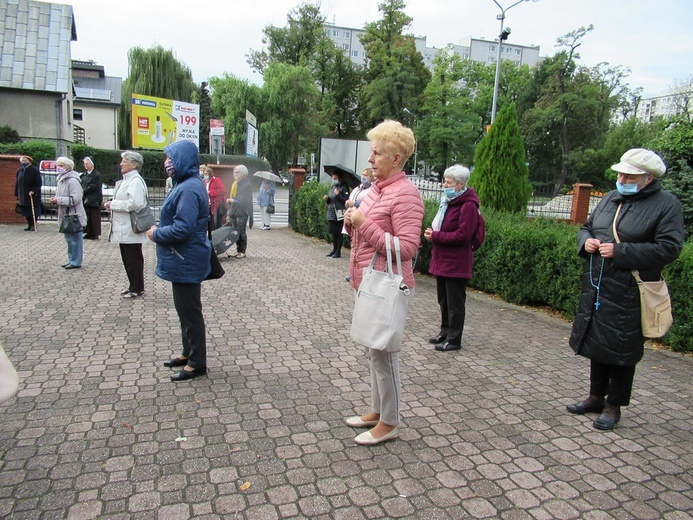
(541, 204)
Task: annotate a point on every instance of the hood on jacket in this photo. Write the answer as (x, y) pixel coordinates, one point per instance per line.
(186, 159)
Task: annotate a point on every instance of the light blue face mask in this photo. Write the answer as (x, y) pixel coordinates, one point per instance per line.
(335, 182)
(627, 189)
(365, 181)
(450, 193)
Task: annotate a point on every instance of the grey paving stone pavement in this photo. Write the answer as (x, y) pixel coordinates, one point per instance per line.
(98, 430)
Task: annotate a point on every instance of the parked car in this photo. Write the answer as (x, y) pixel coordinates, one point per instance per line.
(49, 184)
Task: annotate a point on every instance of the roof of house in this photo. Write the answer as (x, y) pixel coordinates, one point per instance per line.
(35, 41)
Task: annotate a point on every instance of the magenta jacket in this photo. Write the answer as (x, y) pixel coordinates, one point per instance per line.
(392, 206)
(452, 246)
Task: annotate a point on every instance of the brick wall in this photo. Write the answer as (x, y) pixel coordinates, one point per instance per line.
(9, 164)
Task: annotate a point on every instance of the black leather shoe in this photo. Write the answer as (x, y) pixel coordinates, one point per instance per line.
(189, 374)
(435, 340)
(581, 409)
(176, 362)
(70, 266)
(330, 255)
(446, 346)
(64, 265)
(606, 422)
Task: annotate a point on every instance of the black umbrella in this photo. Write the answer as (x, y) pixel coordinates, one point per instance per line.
(345, 173)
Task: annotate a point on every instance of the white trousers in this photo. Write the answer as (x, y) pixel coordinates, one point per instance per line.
(266, 217)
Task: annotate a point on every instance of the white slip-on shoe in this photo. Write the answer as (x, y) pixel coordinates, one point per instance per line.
(357, 422)
(366, 439)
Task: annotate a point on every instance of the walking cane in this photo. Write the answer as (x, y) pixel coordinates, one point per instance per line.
(33, 212)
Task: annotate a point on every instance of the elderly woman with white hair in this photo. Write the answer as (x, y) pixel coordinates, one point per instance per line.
(93, 197)
(68, 199)
(635, 229)
(130, 195)
(452, 233)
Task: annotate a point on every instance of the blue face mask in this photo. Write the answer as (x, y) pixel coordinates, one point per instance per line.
(365, 181)
(626, 189)
(335, 182)
(450, 193)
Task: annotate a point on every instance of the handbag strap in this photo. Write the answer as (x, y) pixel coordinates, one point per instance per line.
(634, 272)
(389, 239)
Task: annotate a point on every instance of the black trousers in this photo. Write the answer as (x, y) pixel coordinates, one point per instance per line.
(188, 304)
(93, 221)
(133, 260)
(452, 298)
(611, 381)
(239, 224)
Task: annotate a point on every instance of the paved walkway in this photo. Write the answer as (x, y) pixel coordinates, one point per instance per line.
(98, 430)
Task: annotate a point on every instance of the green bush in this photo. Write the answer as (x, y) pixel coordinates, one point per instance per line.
(37, 150)
(8, 135)
(679, 277)
(308, 213)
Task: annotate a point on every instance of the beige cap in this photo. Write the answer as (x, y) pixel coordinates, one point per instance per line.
(639, 161)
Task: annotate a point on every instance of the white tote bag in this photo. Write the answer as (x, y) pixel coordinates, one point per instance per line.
(9, 380)
(382, 301)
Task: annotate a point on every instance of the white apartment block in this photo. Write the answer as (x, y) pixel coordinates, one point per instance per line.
(476, 49)
(665, 105)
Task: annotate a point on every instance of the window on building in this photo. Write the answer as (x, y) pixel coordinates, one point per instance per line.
(465, 56)
(508, 50)
(492, 48)
(345, 46)
(492, 60)
(517, 62)
(327, 32)
(518, 52)
(77, 114)
(347, 34)
(335, 32)
(428, 57)
(355, 54)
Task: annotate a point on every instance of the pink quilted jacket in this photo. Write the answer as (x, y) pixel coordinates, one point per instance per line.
(392, 206)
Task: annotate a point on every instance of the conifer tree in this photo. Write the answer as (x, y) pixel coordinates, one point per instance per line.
(500, 176)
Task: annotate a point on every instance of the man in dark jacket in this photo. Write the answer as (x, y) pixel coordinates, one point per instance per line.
(241, 208)
(93, 197)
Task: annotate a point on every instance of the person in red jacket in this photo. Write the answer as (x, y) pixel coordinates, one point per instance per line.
(451, 233)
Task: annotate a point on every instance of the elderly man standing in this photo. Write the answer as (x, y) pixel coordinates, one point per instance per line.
(93, 197)
(241, 208)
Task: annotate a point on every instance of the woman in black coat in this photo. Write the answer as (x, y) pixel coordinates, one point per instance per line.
(93, 197)
(607, 328)
(336, 206)
(27, 187)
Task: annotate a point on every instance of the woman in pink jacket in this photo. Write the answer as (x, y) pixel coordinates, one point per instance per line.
(393, 205)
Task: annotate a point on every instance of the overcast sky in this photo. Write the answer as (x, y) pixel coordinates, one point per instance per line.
(213, 36)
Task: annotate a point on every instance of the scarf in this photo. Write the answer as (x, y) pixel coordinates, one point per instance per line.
(444, 201)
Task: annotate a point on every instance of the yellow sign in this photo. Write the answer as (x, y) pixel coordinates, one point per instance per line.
(158, 122)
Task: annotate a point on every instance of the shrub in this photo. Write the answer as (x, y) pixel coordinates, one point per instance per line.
(38, 150)
(308, 214)
(8, 135)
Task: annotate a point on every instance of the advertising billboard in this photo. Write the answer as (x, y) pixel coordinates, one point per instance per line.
(158, 122)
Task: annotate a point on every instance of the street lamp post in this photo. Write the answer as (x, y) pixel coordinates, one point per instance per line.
(502, 36)
(416, 141)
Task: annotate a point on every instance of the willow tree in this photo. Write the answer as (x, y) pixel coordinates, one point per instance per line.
(152, 72)
(500, 175)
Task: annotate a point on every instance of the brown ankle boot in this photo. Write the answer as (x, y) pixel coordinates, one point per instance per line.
(592, 404)
(609, 418)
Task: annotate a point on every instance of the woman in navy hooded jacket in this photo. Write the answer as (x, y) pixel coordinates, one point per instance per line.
(183, 253)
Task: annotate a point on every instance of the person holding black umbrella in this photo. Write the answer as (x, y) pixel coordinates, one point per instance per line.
(336, 206)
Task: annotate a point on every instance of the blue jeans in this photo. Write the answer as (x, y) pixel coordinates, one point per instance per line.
(75, 248)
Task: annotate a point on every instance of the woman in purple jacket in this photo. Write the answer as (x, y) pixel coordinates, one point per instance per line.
(451, 233)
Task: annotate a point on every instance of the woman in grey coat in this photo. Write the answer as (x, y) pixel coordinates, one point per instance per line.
(68, 198)
(607, 328)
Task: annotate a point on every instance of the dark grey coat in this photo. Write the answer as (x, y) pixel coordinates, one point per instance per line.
(650, 227)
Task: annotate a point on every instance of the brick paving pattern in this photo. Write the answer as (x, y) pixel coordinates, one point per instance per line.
(98, 430)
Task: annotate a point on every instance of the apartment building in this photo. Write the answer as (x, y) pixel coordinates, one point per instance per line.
(476, 49)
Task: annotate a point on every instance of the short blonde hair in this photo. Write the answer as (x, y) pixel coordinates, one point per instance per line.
(368, 173)
(396, 139)
(64, 161)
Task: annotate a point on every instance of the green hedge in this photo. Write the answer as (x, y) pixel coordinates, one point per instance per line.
(37, 150)
(523, 262)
